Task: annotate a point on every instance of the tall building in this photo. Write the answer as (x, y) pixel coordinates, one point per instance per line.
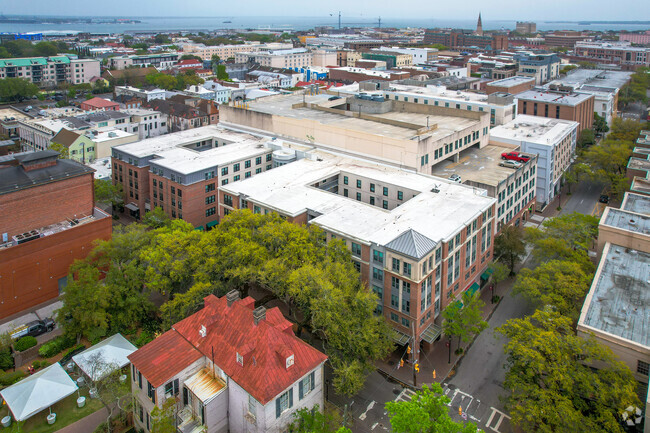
(616, 53)
(467, 39)
(48, 221)
(541, 66)
(50, 71)
(418, 241)
(159, 61)
(578, 107)
(479, 26)
(230, 367)
(525, 27)
(552, 140)
(180, 172)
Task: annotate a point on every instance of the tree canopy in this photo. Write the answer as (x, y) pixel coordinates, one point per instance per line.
(316, 280)
(16, 89)
(171, 82)
(463, 318)
(553, 386)
(426, 412)
(509, 246)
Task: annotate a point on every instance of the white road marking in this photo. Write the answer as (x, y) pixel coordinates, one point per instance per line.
(499, 420)
(370, 406)
(405, 395)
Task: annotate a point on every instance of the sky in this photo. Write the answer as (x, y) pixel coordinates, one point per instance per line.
(572, 10)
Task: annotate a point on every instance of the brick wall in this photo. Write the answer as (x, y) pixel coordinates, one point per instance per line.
(30, 272)
(36, 207)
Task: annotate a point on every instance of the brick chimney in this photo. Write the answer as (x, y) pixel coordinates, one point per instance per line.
(259, 314)
(232, 296)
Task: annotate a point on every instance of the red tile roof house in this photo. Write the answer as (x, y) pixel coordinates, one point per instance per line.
(262, 373)
(95, 104)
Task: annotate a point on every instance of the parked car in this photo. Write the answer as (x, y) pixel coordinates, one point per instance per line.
(604, 198)
(455, 178)
(333, 98)
(515, 156)
(510, 163)
(33, 328)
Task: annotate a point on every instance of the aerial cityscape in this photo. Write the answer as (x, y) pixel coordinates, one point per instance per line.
(258, 217)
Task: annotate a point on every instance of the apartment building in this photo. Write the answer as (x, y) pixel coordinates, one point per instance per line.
(552, 140)
(181, 115)
(35, 134)
(347, 57)
(635, 38)
(395, 132)
(492, 67)
(51, 223)
(616, 308)
(542, 67)
(292, 58)
(461, 38)
(638, 169)
(159, 61)
(513, 85)
(255, 381)
(525, 27)
(418, 241)
(50, 71)
(514, 188)
(324, 58)
(604, 85)
(577, 107)
(180, 172)
(229, 51)
(566, 39)
(393, 59)
(350, 74)
(617, 53)
(10, 118)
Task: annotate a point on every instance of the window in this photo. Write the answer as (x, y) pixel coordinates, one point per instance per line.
(400, 195)
(359, 196)
(642, 367)
(394, 317)
(283, 403)
(406, 322)
(209, 199)
(396, 264)
(356, 249)
(211, 211)
(235, 179)
(345, 180)
(171, 388)
(385, 191)
(306, 385)
(372, 187)
(269, 157)
(377, 274)
(252, 404)
(234, 167)
(151, 393)
(384, 204)
(247, 175)
(247, 164)
(224, 171)
(372, 201)
(224, 182)
(378, 256)
(407, 269)
(358, 184)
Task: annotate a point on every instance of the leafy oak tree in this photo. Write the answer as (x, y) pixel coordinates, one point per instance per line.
(64, 152)
(509, 246)
(106, 192)
(426, 412)
(314, 421)
(554, 387)
(164, 420)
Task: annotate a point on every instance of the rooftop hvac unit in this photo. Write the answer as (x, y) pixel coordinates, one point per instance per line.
(26, 237)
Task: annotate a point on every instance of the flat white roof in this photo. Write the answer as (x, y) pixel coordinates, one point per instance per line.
(186, 161)
(534, 129)
(512, 81)
(571, 99)
(110, 134)
(436, 215)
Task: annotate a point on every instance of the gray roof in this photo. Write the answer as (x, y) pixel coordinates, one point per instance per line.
(412, 244)
(16, 178)
(35, 156)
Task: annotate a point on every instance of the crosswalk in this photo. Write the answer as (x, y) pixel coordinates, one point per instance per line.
(488, 418)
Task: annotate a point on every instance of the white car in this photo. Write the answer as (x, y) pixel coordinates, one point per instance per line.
(510, 163)
(455, 178)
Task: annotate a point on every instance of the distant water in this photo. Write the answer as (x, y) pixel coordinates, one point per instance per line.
(295, 23)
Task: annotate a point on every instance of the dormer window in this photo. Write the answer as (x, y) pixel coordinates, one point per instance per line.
(240, 359)
(289, 361)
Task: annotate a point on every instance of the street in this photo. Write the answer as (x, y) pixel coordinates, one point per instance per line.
(477, 386)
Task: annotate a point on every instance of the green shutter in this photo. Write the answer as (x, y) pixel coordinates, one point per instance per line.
(291, 397)
(278, 407)
(301, 392)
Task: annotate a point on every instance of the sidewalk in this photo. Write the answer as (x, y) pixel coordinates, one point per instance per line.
(438, 358)
(86, 424)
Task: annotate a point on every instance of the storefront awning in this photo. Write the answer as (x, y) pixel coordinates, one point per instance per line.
(430, 334)
(399, 337)
(212, 223)
(132, 206)
(473, 288)
(486, 275)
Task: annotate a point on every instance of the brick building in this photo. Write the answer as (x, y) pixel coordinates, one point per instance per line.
(467, 38)
(617, 53)
(512, 85)
(180, 172)
(578, 107)
(47, 220)
(418, 241)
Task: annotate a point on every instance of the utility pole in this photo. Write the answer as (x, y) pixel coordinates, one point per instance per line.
(339, 20)
(379, 22)
(416, 350)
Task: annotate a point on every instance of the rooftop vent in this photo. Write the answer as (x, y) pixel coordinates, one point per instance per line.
(232, 296)
(203, 332)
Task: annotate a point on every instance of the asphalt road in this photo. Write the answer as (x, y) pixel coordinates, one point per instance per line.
(583, 199)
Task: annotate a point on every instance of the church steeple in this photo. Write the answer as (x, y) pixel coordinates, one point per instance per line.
(479, 26)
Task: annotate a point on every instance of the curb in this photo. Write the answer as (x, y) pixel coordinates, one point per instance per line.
(400, 382)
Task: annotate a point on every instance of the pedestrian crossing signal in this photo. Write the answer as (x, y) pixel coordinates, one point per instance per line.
(408, 349)
(460, 410)
(417, 367)
(401, 363)
(434, 374)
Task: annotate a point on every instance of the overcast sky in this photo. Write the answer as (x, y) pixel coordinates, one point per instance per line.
(602, 10)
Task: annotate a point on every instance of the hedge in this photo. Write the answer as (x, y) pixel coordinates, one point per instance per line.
(9, 378)
(25, 343)
(56, 346)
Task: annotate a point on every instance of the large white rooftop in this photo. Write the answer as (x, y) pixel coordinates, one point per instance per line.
(436, 215)
(533, 129)
(571, 99)
(512, 81)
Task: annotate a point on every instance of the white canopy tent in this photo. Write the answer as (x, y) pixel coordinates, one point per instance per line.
(38, 392)
(105, 357)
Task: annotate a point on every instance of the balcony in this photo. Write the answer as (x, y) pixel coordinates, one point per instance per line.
(187, 423)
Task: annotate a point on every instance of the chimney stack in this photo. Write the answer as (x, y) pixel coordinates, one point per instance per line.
(231, 297)
(259, 314)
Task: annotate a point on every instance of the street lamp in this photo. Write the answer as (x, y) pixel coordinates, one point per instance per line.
(448, 343)
(492, 293)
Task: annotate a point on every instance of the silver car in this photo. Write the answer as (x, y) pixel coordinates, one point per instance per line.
(510, 163)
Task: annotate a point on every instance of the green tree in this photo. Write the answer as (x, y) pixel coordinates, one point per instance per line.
(426, 412)
(600, 124)
(509, 246)
(17, 89)
(463, 319)
(64, 152)
(215, 60)
(221, 73)
(164, 420)
(156, 218)
(163, 81)
(562, 284)
(566, 69)
(161, 39)
(554, 387)
(109, 389)
(587, 138)
(190, 57)
(106, 192)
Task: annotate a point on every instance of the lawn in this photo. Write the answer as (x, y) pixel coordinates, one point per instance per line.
(66, 411)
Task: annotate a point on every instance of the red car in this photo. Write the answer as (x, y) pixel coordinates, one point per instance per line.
(515, 156)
